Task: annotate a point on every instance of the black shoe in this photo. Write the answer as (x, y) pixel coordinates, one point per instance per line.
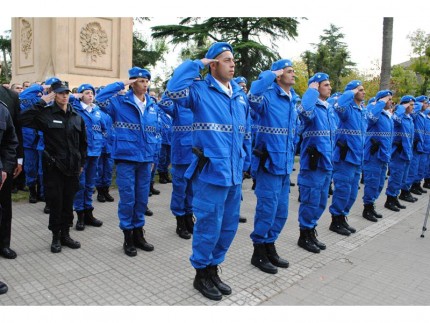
(148, 212)
(32, 198)
(41, 198)
(391, 204)
(80, 224)
(368, 214)
(181, 228)
(56, 244)
(292, 184)
(7, 253)
(67, 241)
(306, 242)
(420, 188)
(139, 240)
(189, 222)
(337, 225)
(46, 209)
(273, 256)
(219, 284)
(153, 190)
(89, 219)
(415, 190)
(128, 246)
(426, 183)
(259, 259)
(407, 196)
(204, 284)
(254, 182)
(3, 288)
(242, 219)
(108, 197)
(162, 178)
(318, 243)
(100, 196)
(347, 226)
(376, 214)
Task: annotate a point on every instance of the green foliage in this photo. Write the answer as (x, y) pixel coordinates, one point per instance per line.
(245, 34)
(331, 56)
(5, 57)
(420, 43)
(145, 54)
(404, 81)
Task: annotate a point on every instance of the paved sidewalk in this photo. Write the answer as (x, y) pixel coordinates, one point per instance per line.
(384, 263)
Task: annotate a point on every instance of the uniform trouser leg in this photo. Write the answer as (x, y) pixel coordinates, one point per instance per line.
(346, 177)
(40, 173)
(90, 181)
(374, 172)
(314, 186)
(164, 159)
(413, 171)
(133, 181)
(60, 191)
(104, 170)
(6, 205)
(216, 209)
(180, 200)
(271, 212)
(31, 162)
(422, 168)
(399, 170)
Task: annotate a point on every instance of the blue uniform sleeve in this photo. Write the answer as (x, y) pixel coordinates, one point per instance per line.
(307, 107)
(397, 116)
(30, 96)
(374, 112)
(343, 104)
(167, 105)
(247, 143)
(105, 95)
(257, 90)
(178, 87)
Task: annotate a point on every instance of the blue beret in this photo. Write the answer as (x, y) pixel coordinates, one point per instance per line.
(383, 94)
(371, 100)
(336, 94)
(422, 98)
(318, 77)
(86, 86)
(282, 63)
(352, 85)
(136, 72)
(51, 80)
(240, 79)
(407, 99)
(217, 48)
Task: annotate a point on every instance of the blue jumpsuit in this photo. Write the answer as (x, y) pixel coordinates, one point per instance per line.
(275, 135)
(400, 161)
(319, 130)
(379, 131)
(221, 130)
(133, 151)
(182, 141)
(346, 172)
(105, 162)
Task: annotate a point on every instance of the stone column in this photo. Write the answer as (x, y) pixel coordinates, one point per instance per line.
(77, 50)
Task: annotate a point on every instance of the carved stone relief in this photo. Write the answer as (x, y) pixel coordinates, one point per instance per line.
(94, 40)
(26, 37)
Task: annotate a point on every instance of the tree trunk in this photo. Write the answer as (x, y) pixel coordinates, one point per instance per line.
(387, 44)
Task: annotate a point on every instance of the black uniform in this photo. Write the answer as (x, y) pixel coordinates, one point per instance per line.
(65, 152)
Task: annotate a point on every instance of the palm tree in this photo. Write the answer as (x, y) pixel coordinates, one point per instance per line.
(387, 44)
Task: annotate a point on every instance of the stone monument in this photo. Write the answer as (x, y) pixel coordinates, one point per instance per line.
(77, 50)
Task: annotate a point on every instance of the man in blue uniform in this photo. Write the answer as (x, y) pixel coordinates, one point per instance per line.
(401, 155)
(221, 140)
(348, 155)
(377, 151)
(319, 129)
(135, 120)
(274, 100)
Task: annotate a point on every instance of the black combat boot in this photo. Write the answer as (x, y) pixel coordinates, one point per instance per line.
(40, 195)
(337, 225)
(189, 222)
(345, 224)
(55, 245)
(153, 190)
(139, 240)
(89, 219)
(376, 214)
(407, 196)
(100, 196)
(415, 190)
(67, 241)
(106, 194)
(80, 224)
(242, 219)
(3, 288)
(181, 228)
(162, 178)
(32, 198)
(219, 284)
(391, 204)
(400, 206)
(426, 183)
(306, 242)
(148, 212)
(129, 248)
(254, 182)
(259, 259)
(368, 213)
(46, 209)
(420, 188)
(204, 284)
(318, 243)
(273, 256)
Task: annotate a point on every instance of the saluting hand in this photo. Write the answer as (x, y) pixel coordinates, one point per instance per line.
(207, 61)
(3, 178)
(314, 85)
(279, 72)
(77, 95)
(128, 82)
(48, 97)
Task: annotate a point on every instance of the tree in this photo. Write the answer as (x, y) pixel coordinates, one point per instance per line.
(331, 56)
(145, 54)
(247, 35)
(420, 43)
(387, 45)
(403, 81)
(6, 49)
